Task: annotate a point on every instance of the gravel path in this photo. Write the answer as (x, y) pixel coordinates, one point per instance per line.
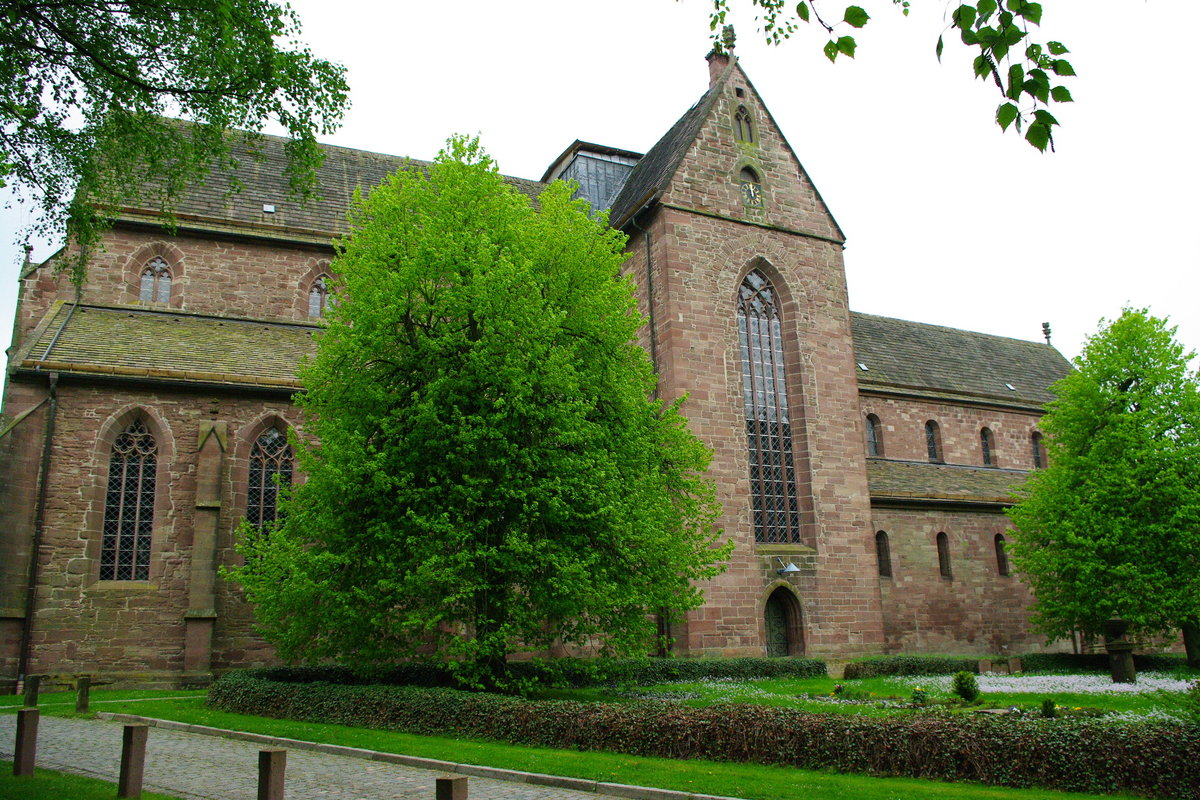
(190, 765)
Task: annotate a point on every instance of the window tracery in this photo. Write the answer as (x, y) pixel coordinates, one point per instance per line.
(129, 506)
(319, 298)
(155, 286)
(271, 466)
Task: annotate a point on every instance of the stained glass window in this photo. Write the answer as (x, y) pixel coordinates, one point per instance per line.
(933, 441)
(156, 282)
(270, 470)
(129, 506)
(768, 430)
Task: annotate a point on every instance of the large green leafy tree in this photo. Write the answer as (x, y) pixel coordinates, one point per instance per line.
(490, 473)
(1111, 527)
(86, 86)
(1026, 73)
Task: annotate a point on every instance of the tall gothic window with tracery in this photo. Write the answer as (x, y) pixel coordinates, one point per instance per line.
(768, 429)
(318, 297)
(129, 506)
(156, 282)
(270, 471)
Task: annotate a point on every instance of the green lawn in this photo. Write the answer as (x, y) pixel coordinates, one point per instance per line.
(48, 785)
(736, 780)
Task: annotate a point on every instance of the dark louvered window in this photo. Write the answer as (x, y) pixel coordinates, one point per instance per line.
(768, 431)
(156, 282)
(270, 470)
(743, 126)
(129, 506)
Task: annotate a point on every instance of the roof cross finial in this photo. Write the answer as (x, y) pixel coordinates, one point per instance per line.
(728, 38)
(1046, 331)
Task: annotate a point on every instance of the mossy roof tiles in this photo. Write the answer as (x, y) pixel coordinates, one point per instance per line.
(170, 345)
(929, 358)
(916, 481)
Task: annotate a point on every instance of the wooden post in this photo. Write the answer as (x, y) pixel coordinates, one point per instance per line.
(83, 689)
(32, 683)
(25, 753)
(271, 766)
(451, 788)
(133, 761)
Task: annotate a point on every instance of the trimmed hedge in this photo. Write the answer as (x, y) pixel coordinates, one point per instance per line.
(910, 665)
(1096, 662)
(572, 672)
(1152, 758)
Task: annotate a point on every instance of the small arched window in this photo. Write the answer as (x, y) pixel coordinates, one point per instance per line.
(129, 506)
(933, 441)
(1039, 450)
(155, 282)
(943, 551)
(874, 436)
(751, 188)
(883, 554)
(743, 125)
(270, 471)
(987, 444)
(1001, 556)
(319, 298)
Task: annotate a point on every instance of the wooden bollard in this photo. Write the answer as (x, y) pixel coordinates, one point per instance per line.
(32, 683)
(133, 761)
(271, 766)
(25, 754)
(83, 693)
(451, 788)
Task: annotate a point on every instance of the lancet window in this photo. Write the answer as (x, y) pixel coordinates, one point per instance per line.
(129, 506)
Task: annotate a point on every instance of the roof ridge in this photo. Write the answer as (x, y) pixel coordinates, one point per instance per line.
(951, 328)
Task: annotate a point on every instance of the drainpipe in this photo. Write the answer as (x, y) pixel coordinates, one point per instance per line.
(39, 524)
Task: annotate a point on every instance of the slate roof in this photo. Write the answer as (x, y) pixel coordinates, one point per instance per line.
(918, 481)
(264, 181)
(654, 170)
(168, 345)
(925, 358)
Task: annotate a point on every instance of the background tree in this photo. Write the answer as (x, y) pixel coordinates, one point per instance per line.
(1111, 528)
(491, 474)
(85, 87)
(1025, 72)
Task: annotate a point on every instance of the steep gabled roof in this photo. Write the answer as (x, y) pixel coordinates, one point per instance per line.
(654, 170)
(261, 172)
(931, 359)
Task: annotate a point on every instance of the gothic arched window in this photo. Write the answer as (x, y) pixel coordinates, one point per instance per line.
(883, 554)
(129, 506)
(933, 441)
(319, 297)
(987, 443)
(943, 553)
(874, 436)
(743, 125)
(155, 282)
(270, 471)
(768, 430)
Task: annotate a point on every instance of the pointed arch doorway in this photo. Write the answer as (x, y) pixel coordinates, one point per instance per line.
(782, 625)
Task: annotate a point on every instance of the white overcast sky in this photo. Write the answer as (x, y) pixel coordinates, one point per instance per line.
(948, 221)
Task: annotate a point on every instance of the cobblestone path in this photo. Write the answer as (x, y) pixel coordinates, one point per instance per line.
(189, 766)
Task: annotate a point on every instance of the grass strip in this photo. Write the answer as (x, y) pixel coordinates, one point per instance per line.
(720, 778)
(47, 784)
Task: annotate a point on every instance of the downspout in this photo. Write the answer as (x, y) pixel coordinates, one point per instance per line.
(38, 528)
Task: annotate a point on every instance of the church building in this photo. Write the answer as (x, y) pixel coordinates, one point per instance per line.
(864, 463)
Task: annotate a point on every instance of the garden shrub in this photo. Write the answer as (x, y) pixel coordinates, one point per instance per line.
(965, 686)
(1096, 662)
(569, 672)
(1084, 755)
(1049, 708)
(877, 666)
(1191, 702)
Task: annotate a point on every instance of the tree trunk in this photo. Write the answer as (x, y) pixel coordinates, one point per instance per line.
(1191, 641)
(1120, 651)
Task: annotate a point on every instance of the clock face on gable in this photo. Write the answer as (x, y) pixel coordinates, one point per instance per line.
(752, 194)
